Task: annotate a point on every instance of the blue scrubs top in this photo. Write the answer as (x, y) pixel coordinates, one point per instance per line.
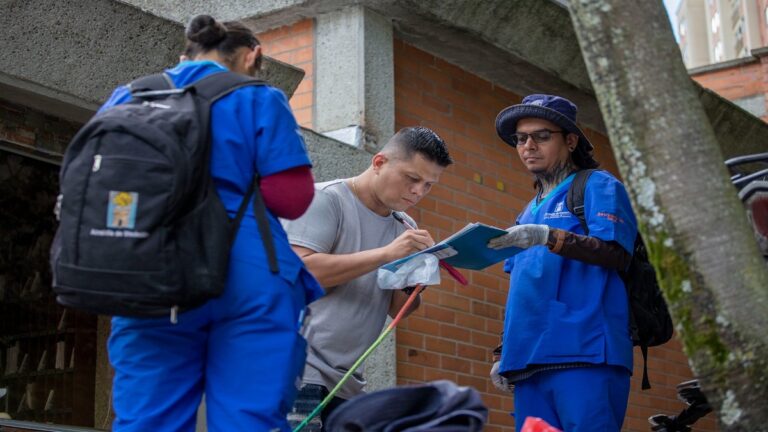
(561, 310)
(251, 128)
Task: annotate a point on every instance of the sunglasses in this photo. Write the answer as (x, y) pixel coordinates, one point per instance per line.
(538, 136)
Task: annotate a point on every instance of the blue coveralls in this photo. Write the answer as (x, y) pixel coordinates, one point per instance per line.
(563, 311)
(242, 349)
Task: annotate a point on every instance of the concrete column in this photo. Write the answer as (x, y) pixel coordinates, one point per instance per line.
(381, 366)
(355, 77)
(355, 103)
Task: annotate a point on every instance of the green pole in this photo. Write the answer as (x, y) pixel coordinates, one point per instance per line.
(359, 361)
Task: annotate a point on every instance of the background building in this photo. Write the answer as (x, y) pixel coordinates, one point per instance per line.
(714, 31)
(369, 68)
(742, 81)
(722, 43)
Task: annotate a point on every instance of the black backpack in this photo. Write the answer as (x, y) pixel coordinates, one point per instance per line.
(142, 230)
(650, 322)
(437, 406)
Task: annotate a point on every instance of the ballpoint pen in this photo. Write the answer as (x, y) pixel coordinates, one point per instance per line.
(447, 267)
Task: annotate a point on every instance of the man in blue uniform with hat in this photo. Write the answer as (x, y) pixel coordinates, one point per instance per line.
(567, 348)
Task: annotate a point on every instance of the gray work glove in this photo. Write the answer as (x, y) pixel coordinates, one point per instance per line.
(522, 236)
(499, 381)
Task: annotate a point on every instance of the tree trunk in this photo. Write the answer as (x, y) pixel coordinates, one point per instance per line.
(698, 237)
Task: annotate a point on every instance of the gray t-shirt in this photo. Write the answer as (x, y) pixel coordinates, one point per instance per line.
(346, 321)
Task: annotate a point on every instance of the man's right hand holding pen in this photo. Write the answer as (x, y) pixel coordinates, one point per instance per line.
(447, 267)
(409, 242)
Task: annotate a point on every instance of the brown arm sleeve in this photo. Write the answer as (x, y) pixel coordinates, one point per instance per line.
(590, 250)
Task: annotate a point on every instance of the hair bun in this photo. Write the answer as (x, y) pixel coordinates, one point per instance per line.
(206, 31)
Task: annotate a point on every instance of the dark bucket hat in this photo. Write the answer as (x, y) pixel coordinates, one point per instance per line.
(556, 109)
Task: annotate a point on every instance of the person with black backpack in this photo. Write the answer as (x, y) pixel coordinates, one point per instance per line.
(169, 221)
(567, 347)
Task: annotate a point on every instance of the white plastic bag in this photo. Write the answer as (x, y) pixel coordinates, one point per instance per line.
(422, 269)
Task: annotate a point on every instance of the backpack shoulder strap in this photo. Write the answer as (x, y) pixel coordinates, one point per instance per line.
(575, 203)
(155, 82)
(211, 88)
(217, 85)
(575, 198)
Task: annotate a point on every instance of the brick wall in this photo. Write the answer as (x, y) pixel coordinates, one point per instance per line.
(295, 45)
(451, 335)
(734, 82)
(744, 84)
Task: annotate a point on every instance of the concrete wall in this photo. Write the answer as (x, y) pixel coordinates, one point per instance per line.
(354, 75)
(754, 104)
(77, 52)
(183, 10)
(332, 159)
(66, 57)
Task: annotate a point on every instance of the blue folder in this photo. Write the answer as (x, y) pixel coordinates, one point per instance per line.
(465, 249)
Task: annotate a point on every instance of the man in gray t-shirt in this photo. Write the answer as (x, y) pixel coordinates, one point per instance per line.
(345, 236)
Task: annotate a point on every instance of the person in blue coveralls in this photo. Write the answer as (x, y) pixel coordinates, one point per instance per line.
(567, 350)
(244, 349)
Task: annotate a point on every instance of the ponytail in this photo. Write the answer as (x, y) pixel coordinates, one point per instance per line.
(205, 34)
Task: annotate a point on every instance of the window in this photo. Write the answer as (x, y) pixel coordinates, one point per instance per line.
(715, 24)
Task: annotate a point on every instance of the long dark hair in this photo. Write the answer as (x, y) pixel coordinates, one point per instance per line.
(205, 34)
(583, 158)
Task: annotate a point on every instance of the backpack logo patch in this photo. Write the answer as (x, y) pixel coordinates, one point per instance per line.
(121, 213)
